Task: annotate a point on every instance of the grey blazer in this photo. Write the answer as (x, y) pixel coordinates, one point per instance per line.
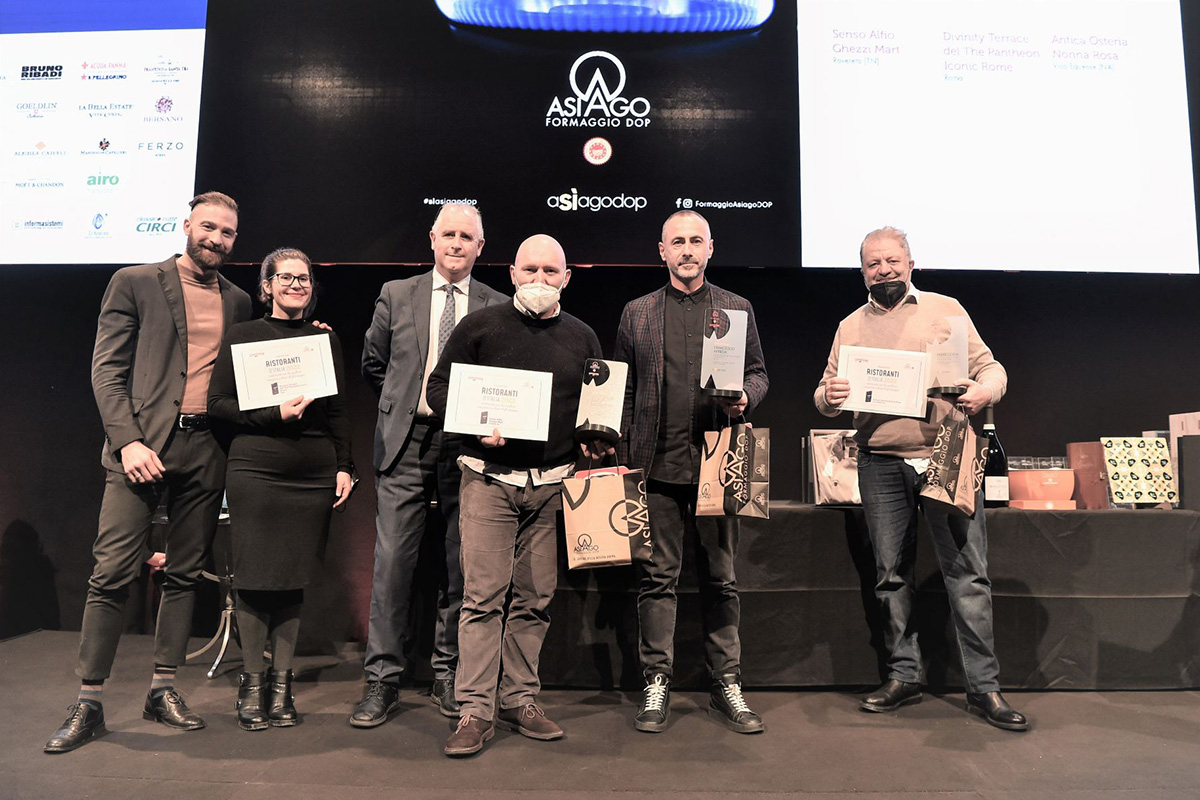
(139, 364)
(394, 353)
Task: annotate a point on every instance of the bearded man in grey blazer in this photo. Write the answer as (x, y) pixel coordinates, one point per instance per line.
(415, 462)
(156, 341)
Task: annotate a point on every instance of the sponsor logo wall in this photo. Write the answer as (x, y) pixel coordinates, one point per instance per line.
(98, 133)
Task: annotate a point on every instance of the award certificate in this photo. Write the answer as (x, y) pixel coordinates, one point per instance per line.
(884, 381)
(514, 401)
(268, 373)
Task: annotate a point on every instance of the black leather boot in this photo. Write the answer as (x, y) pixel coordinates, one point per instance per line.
(280, 711)
(251, 714)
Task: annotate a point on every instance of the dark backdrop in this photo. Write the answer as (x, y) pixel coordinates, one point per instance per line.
(1088, 355)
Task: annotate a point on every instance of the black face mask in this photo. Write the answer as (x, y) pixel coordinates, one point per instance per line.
(888, 293)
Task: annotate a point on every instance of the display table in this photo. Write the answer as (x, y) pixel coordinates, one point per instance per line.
(1082, 600)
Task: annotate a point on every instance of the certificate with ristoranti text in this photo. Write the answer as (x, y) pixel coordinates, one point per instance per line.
(515, 402)
(268, 373)
(884, 381)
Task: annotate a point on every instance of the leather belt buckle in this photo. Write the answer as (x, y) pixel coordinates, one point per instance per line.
(193, 422)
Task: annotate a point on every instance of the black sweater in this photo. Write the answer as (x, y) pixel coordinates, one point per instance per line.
(325, 416)
(502, 336)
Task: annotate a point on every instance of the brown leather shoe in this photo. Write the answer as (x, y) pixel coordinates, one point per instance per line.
(529, 720)
(469, 736)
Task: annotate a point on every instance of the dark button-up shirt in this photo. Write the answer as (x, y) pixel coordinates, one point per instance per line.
(677, 457)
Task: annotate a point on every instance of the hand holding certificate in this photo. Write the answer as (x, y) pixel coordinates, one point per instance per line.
(271, 372)
(884, 381)
(515, 402)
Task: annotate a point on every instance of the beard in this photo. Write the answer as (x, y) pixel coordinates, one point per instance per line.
(681, 270)
(205, 257)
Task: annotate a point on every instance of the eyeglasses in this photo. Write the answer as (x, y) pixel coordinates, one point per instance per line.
(287, 278)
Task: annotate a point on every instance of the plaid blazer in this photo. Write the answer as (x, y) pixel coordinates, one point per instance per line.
(640, 344)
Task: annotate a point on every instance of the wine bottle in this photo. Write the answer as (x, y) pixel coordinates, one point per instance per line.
(995, 472)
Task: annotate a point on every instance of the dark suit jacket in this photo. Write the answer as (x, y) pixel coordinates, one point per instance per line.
(139, 364)
(394, 354)
(640, 343)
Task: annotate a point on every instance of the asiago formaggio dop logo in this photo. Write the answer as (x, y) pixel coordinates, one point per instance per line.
(598, 103)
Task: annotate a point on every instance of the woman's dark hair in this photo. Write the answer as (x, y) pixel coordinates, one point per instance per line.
(268, 271)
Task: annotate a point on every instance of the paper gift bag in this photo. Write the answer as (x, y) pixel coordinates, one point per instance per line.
(834, 458)
(605, 518)
(955, 473)
(735, 473)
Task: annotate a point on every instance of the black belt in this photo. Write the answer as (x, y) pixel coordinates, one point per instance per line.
(433, 422)
(193, 422)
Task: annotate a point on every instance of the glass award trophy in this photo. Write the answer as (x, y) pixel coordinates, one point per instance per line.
(723, 359)
(601, 401)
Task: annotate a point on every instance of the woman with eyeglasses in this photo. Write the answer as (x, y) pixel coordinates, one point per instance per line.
(289, 466)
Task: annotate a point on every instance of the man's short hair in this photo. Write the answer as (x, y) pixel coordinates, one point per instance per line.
(886, 232)
(686, 213)
(214, 199)
(465, 207)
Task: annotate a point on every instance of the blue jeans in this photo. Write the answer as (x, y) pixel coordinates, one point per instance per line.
(890, 493)
(509, 551)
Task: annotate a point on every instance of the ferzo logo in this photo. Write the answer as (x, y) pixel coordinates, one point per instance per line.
(597, 79)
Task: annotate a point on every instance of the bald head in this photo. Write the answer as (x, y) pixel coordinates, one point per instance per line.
(540, 259)
(541, 248)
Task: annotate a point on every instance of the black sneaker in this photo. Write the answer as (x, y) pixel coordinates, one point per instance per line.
(656, 705)
(727, 706)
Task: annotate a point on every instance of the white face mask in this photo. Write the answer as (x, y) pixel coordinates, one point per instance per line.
(537, 298)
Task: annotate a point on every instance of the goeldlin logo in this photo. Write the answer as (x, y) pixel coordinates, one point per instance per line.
(43, 73)
(36, 110)
(601, 102)
(574, 201)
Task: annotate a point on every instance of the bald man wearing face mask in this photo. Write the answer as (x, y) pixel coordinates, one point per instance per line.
(893, 453)
(510, 498)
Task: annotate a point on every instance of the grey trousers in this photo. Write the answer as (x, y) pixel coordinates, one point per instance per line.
(509, 543)
(425, 470)
(195, 479)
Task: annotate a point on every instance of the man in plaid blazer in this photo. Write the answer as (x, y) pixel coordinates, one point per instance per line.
(665, 417)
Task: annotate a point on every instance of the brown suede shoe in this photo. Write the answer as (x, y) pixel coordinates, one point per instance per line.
(529, 720)
(469, 736)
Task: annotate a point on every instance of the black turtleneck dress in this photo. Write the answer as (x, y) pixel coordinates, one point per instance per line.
(281, 476)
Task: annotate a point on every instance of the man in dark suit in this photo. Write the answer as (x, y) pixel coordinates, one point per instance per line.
(159, 330)
(665, 417)
(415, 463)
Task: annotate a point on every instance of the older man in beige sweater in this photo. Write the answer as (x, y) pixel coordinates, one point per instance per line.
(893, 454)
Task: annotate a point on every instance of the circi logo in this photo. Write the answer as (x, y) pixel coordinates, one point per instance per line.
(597, 150)
(163, 105)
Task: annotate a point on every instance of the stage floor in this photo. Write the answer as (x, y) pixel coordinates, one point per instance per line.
(818, 745)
